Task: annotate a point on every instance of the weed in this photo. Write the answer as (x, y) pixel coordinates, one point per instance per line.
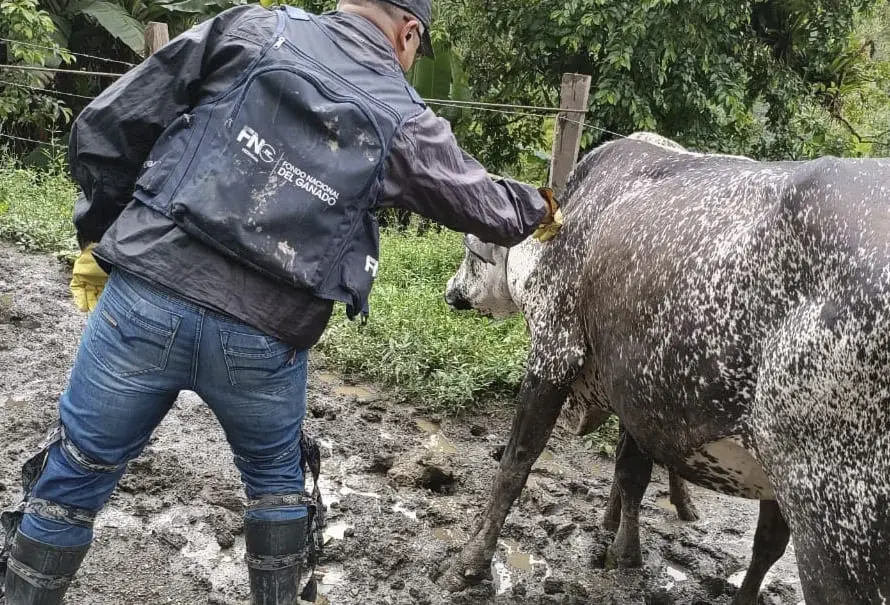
(36, 208)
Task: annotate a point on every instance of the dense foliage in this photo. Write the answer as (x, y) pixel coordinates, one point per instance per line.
(768, 78)
(765, 78)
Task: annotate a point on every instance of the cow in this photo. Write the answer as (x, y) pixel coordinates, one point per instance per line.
(735, 316)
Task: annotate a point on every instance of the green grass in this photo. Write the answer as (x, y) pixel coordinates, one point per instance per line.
(416, 344)
(36, 208)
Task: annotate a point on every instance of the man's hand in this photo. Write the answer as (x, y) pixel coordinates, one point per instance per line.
(87, 280)
(552, 222)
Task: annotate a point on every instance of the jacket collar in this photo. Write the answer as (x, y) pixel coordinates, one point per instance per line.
(363, 41)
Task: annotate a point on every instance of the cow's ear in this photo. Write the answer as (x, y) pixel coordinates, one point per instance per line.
(480, 249)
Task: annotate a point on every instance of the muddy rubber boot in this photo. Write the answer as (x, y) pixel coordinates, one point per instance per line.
(38, 573)
(275, 551)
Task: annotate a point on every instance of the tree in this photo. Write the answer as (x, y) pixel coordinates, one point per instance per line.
(22, 109)
(713, 75)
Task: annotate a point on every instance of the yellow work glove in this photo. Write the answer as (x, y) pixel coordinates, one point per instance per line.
(552, 223)
(87, 280)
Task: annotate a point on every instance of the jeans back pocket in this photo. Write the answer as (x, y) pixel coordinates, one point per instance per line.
(131, 339)
(260, 363)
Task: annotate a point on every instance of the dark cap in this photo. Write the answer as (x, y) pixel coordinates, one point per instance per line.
(423, 10)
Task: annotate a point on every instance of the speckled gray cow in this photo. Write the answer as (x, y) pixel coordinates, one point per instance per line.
(735, 316)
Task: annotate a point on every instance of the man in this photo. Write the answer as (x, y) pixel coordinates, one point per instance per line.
(231, 182)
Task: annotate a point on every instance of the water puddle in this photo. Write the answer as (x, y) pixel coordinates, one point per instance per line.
(427, 426)
(326, 444)
(401, 508)
(115, 518)
(224, 568)
(437, 442)
(441, 444)
(447, 535)
(345, 490)
(665, 503)
(548, 462)
(335, 531)
(329, 576)
(358, 393)
(328, 378)
(676, 575)
(515, 560)
(503, 579)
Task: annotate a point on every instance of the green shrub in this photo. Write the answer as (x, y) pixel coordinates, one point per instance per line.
(36, 209)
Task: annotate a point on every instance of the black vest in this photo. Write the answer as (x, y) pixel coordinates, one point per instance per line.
(282, 171)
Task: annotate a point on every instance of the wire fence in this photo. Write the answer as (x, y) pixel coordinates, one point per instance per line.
(27, 140)
(519, 110)
(58, 70)
(45, 90)
(59, 50)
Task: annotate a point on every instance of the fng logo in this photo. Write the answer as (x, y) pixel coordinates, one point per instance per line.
(255, 147)
(371, 266)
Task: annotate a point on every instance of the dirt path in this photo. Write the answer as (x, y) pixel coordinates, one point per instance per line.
(403, 490)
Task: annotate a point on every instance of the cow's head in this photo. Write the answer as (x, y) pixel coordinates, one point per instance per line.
(481, 281)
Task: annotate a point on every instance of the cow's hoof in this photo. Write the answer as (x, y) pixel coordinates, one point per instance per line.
(459, 577)
(616, 560)
(687, 512)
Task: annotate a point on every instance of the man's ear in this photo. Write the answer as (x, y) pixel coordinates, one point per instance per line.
(407, 32)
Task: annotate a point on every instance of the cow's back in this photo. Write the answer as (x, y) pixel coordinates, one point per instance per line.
(691, 263)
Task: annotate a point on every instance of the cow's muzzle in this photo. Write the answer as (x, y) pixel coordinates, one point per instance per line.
(457, 303)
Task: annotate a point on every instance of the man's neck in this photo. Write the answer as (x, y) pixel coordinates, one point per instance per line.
(382, 22)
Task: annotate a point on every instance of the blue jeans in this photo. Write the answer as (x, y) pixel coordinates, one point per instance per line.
(141, 346)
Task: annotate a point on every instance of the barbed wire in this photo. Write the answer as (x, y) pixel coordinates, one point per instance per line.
(27, 140)
(532, 115)
(501, 108)
(481, 104)
(62, 71)
(56, 50)
(46, 90)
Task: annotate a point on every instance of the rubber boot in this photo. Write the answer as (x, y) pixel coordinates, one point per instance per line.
(38, 573)
(275, 551)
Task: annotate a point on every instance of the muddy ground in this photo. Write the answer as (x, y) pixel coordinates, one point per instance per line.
(402, 487)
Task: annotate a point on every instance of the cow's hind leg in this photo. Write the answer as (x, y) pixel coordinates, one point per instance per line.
(536, 413)
(633, 469)
(612, 517)
(770, 540)
(681, 498)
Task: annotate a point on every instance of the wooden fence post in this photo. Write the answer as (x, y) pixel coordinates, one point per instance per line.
(567, 138)
(156, 35)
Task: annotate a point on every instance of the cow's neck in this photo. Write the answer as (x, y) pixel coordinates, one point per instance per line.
(521, 261)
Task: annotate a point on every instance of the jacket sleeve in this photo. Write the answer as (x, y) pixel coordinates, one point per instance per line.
(113, 135)
(428, 173)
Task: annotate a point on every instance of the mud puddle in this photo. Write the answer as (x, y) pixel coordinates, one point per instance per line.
(403, 491)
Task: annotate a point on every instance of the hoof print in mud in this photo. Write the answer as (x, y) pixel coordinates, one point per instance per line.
(177, 541)
(438, 480)
(381, 464)
(425, 470)
(371, 417)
